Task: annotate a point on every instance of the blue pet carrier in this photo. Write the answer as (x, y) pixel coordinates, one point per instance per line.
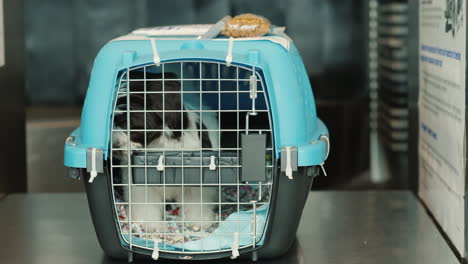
(197, 148)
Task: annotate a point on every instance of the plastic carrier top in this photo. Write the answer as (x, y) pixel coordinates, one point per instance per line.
(292, 105)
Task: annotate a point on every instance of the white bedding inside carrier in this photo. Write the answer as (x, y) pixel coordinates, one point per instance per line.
(217, 237)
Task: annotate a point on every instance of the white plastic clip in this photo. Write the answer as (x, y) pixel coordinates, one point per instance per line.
(160, 166)
(155, 255)
(235, 246)
(70, 140)
(323, 168)
(229, 54)
(288, 163)
(253, 87)
(93, 166)
(327, 142)
(212, 163)
(156, 58)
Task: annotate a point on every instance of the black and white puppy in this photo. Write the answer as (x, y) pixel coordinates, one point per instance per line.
(174, 137)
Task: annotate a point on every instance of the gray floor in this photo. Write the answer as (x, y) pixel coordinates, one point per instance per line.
(336, 227)
(46, 131)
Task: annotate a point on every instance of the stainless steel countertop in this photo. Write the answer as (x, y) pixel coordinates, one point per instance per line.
(336, 227)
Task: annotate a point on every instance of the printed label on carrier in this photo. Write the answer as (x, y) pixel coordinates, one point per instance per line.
(178, 30)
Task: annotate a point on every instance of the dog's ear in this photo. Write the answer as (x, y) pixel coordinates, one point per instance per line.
(155, 99)
(172, 104)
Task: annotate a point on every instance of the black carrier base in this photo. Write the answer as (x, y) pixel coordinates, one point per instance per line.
(288, 200)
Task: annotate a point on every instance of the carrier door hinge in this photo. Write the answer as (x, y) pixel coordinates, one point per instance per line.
(289, 161)
(94, 162)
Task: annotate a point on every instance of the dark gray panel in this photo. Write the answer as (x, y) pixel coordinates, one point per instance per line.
(253, 157)
(192, 175)
(12, 132)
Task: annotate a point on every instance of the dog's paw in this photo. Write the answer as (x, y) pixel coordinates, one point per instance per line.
(120, 140)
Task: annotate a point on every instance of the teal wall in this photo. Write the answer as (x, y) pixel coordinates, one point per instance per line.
(63, 37)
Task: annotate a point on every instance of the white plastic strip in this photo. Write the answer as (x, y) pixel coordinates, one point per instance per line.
(212, 163)
(156, 58)
(229, 53)
(327, 141)
(279, 30)
(155, 255)
(280, 40)
(235, 246)
(175, 30)
(288, 163)
(160, 166)
(284, 41)
(253, 87)
(70, 139)
(93, 165)
(323, 168)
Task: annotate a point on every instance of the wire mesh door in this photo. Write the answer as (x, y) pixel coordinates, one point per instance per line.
(176, 159)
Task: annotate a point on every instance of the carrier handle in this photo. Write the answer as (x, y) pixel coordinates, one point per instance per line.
(316, 151)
